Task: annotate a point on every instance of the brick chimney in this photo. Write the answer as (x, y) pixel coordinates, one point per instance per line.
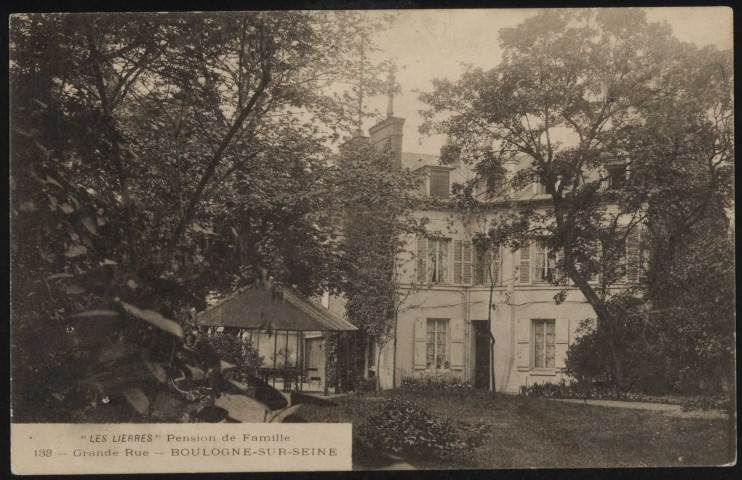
(387, 134)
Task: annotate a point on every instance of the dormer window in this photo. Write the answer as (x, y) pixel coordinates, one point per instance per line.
(436, 181)
(439, 184)
(616, 176)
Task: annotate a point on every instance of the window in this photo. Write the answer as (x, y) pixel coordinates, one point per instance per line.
(616, 176)
(539, 187)
(493, 183)
(545, 268)
(439, 181)
(543, 343)
(486, 261)
(436, 344)
(432, 259)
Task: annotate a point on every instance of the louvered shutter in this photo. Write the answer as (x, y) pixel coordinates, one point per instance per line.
(422, 254)
(457, 264)
(561, 342)
(525, 264)
(467, 261)
(522, 348)
(457, 343)
(632, 256)
(419, 347)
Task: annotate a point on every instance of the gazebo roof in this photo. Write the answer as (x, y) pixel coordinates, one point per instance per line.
(257, 307)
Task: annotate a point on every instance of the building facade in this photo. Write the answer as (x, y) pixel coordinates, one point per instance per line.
(446, 286)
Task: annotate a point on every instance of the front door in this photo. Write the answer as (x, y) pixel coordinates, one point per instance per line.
(481, 354)
(315, 362)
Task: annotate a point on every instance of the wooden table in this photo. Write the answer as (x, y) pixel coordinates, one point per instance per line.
(288, 374)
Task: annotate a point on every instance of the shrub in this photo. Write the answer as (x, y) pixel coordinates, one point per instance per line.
(583, 390)
(236, 350)
(446, 382)
(403, 427)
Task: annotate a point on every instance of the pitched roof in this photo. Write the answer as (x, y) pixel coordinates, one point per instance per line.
(413, 161)
(281, 308)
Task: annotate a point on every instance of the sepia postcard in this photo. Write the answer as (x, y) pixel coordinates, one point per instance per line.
(333, 240)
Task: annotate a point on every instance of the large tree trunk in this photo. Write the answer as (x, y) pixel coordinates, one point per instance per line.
(606, 321)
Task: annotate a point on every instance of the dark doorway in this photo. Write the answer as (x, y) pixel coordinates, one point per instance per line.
(481, 354)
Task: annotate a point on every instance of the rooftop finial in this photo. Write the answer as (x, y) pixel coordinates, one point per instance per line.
(390, 106)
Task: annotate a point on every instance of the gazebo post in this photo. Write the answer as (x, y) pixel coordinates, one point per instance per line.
(298, 368)
(327, 362)
(286, 362)
(275, 354)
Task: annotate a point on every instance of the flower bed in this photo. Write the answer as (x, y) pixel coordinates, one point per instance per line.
(438, 382)
(573, 390)
(593, 392)
(403, 427)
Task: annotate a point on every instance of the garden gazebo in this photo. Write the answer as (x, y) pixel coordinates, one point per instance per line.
(283, 325)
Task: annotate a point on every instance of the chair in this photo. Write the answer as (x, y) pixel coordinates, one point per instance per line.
(314, 378)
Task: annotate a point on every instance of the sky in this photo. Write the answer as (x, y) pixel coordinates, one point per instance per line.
(431, 44)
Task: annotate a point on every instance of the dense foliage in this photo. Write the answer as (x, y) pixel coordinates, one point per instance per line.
(402, 427)
(236, 350)
(378, 200)
(157, 159)
(579, 96)
(682, 339)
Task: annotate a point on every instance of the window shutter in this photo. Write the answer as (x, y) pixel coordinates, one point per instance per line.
(525, 264)
(457, 343)
(422, 254)
(522, 349)
(561, 342)
(419, 348)
(632, 256)
(467, 261)
(457, 266)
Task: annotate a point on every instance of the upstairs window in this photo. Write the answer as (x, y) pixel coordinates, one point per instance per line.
(545, 264)
(439, 184)
(432, 260)
(486, 262)
(539, 187)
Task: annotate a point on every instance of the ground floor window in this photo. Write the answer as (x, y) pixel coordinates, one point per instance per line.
(436, 343)
(543, 343)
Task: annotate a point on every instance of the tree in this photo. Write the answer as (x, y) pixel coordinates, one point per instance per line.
(377, 204)
(157, 159)
(581, 99)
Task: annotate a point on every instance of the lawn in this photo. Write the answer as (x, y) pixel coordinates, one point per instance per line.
(538, 433)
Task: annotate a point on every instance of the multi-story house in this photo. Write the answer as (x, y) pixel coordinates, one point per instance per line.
(442, 326)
